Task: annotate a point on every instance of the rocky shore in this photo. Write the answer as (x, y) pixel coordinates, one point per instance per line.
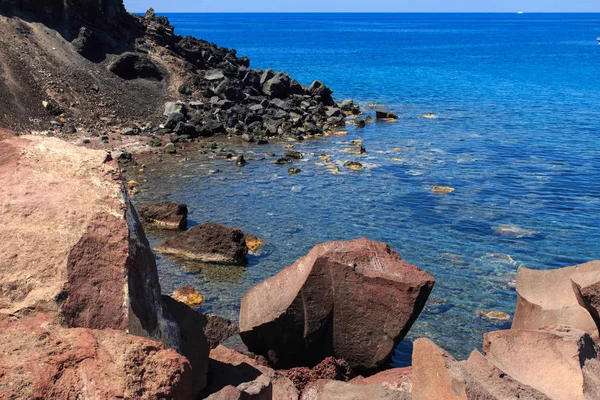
(82, 314)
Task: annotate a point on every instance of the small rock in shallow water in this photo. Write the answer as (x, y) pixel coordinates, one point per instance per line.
(385, 114)
(283, 161)
(354, 165)
(442, 189)
(240, 161)
(369, 119)
(494, 315)
(188, 295)
(429, 116)
(294, 171)
(253, 243)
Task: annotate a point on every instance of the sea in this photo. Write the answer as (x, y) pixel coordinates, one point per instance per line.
(504, 108)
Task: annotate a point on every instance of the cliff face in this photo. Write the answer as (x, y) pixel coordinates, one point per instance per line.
(73, 13)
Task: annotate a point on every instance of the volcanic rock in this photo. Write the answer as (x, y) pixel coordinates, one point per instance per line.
(42, 360)
(546, 298)
(399, 379)
(233, 374)
(333, 302)
(210, 243)
(132, 66)
(385, 114)
(437, 375)
(188, 296)
(336, 390)
(497, 382)
(560, 362)
(165, 215)
(586, 284)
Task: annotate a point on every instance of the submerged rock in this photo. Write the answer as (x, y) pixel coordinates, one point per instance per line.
(443, 189)
(210, 243)
(385, 114)
(188, 296)
(354, 165)
(165, 215)
(253, 243)
(332, 302)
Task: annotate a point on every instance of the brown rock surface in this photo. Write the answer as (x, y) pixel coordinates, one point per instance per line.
(497, 382)
(586, 284)
(353, 300)
(336, 390)
(552, 360)
(437, 375)
(71, 241)
(210, 243)
(41, 360)
(399, 379)
(546, 298)
(165, 215)
(328, 369)
(230, 369)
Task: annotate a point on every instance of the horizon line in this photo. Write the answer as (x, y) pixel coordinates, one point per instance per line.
(369, 12)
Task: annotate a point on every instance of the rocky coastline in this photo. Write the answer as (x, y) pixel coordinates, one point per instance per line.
(82, 314)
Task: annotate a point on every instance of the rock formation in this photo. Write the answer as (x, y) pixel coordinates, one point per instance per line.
(73, 251)
(546, 298)
(210, 243)
(165, 215)
(353, 300)
(586, 284)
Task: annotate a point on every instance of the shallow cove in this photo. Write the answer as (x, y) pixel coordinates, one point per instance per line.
(516, 135)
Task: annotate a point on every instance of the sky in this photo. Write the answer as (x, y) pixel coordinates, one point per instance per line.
(363, 6)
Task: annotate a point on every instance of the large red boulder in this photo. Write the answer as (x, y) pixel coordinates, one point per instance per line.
(353, 300)
(560, 362)
(209, 243)
(546, 298)
(39, 359)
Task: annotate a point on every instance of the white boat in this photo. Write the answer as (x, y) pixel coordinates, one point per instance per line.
(598, 39)
(520, 12)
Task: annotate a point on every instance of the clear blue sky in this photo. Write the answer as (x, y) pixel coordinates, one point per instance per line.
(364, 6)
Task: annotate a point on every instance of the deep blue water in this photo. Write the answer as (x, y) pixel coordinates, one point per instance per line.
(517, 135)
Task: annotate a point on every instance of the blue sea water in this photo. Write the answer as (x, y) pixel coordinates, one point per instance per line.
(517, 134)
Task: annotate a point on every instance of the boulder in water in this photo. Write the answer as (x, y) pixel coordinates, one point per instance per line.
(333, 302)
(165, 215)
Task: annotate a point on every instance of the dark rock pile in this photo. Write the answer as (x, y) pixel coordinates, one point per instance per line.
(224, 96)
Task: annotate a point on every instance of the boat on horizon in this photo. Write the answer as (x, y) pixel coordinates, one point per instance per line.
(520, 12)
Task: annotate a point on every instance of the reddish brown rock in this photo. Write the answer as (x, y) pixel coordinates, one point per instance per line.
(188, 295)
(218, 329)
(437, 375)
(336, 390)
(231, 370)
(353, 300)
(554, 361)
(210, 243)
(41, 360)
(329, 369)
(399, 379)
(71, 242)
(586, 284)
(165, 215)
(546, 298)
(497, 382)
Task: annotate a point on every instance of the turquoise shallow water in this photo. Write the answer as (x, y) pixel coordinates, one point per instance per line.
(517, 134)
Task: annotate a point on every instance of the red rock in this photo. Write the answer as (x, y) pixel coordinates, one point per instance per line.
(497, 382)
(437, 375)
(165, 215)
(353, 300)
(586, 284)
(218, 329)
(554, 361)
(336, 390)
(329, 369)
(546, 298)
(42, 360)
(230, 369)
(399, 379)
(210, 243)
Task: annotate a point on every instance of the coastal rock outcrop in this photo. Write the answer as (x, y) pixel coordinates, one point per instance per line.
(336, 390)
(210, 243)
(546, 298)
(42, 360)
(75, 255)
(586, 284)
(165, 215)
(560, 362)
(353, 300)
